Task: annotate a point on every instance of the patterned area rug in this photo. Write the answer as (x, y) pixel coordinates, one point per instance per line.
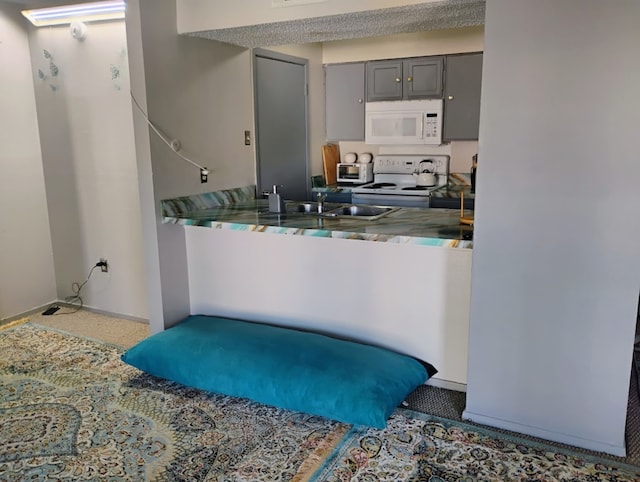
(636, 359)
(421, 447)
(70, 410)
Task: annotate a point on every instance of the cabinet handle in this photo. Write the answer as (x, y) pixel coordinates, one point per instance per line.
(359, 101)
(398, 79)
(409, 79)
(450, 97)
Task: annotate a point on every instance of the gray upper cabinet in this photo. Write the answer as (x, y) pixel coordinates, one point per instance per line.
(423, 77)
(384, 80)
(345, 90)
(463, 80)
(405, 79)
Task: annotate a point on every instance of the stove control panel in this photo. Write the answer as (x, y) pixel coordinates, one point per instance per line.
(409, 164)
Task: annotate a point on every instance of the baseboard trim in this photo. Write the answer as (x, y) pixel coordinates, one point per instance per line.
(563, 438)
(40, 309)
(28, 312)
(106, 313)
(437, 382)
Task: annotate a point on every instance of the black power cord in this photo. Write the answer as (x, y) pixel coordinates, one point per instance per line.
(75, 297)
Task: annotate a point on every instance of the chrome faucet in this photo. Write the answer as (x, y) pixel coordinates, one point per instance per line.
(321, 196)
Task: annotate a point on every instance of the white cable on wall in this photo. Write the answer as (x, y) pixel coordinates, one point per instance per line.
(173, 144)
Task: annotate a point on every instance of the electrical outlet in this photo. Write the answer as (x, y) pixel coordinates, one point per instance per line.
(104, 266)
(204, 174)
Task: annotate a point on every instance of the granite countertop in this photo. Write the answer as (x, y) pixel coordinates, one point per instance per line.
(431, 227)
(453, 191)
(333, 188)
(449, 196)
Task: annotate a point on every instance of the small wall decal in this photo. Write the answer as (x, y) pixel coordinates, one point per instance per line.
(115, 72)
(119, 69)
(53, 70)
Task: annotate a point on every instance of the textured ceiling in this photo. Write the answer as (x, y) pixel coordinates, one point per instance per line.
(371, 23)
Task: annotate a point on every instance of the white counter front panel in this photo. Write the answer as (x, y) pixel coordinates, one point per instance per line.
(412, 299)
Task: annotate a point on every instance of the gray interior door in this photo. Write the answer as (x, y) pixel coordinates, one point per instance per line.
(281, 124)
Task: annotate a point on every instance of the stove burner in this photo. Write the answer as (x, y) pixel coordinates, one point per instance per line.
(416, 188)
(381, 185)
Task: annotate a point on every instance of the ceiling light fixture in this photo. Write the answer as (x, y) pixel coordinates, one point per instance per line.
(84, 12)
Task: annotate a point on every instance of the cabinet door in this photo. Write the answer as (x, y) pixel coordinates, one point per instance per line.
(344, 102)
(423, 77)
(384, 80)
(462, 96)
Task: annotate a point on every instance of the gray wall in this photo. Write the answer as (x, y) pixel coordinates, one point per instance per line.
(197, 91)
(88, 157)
(26, 257)
(556, 270)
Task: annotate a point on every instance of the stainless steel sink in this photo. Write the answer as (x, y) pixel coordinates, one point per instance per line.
(310, 207)
(337, 210)
(362, 212)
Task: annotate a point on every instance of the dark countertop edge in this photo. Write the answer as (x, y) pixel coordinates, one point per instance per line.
(323, 233)
(451, 191)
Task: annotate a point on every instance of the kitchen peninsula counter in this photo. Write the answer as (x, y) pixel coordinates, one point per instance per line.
(405, 291)
(431, 227)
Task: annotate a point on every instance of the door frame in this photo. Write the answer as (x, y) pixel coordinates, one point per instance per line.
(269, 54)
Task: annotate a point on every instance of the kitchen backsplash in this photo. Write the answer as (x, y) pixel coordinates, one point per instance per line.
(461, 152)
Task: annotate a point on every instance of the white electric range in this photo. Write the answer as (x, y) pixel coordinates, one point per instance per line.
(395, 180)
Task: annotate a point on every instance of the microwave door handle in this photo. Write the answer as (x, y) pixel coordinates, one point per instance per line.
(422, 116)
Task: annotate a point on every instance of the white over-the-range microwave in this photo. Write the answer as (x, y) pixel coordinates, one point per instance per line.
(404, 122)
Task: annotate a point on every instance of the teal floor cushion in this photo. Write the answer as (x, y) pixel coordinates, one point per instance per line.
(296, 370)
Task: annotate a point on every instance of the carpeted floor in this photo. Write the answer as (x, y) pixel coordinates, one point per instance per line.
(450, 404)
(125, 333)
(97, 418)
(426, 399)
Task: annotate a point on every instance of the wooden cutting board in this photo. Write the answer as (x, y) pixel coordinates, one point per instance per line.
(330, 160)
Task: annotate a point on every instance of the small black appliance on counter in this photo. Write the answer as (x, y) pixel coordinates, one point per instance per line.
(474, 168)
